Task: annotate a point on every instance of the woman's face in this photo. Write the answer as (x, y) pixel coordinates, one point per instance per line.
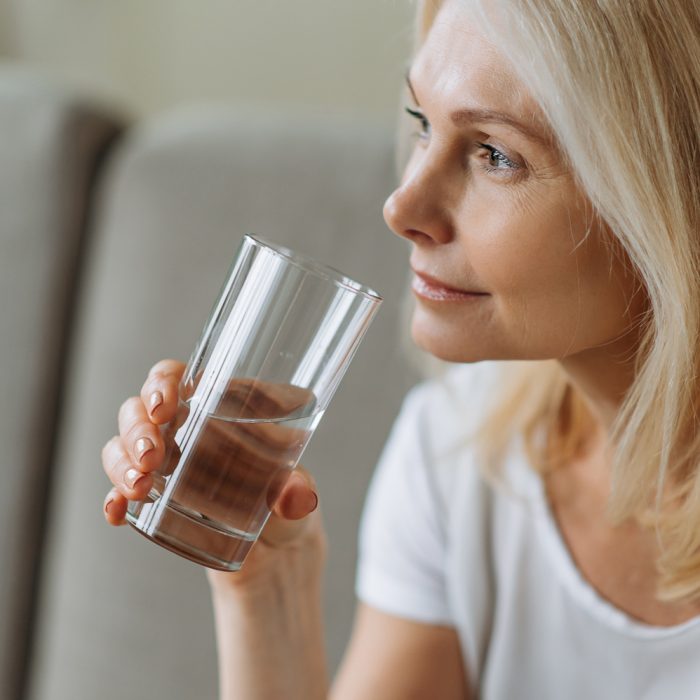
(493, 210)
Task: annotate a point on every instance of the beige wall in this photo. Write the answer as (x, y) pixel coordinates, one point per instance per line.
(7, 28)
(337, 55)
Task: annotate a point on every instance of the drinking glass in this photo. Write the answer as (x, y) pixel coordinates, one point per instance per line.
(276, 345)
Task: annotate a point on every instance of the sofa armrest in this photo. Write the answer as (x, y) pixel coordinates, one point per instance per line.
(51, 147)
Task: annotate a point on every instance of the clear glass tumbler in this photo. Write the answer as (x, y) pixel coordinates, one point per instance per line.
(277, 343)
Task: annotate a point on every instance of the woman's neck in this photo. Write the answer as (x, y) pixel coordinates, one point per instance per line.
(603, 375)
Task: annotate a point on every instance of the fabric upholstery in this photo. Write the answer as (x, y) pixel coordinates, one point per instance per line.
(51, 146)
(121, 617)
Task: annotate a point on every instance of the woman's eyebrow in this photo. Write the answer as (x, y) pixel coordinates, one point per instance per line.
(468, 115)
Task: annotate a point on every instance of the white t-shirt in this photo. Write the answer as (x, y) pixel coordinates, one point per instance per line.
(438, 544)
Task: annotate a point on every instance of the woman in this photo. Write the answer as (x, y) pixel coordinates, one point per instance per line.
(552, 200)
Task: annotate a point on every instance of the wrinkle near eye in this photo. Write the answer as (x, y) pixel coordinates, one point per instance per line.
(531, 199)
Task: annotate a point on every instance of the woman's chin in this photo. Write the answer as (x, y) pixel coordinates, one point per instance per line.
(444, 345)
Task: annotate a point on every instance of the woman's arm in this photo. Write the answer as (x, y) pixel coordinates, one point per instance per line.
(269, 620)
(396, 659)
(268, 615)
(271, 646)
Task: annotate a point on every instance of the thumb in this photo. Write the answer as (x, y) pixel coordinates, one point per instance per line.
(296, 500)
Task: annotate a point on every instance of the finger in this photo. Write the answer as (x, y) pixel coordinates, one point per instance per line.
(289, 515)
(160, 390)
(298, 497)
(123, 473)
(114, 508)
(141, 438)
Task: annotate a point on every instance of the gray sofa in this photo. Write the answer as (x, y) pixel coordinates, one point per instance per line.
(114, 240)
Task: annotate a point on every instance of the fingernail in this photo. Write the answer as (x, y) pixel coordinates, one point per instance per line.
(315, 502)
(142, 446)
(155, 401)
(133, 477)
(108, 503)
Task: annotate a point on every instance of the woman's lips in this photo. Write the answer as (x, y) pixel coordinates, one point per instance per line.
(429, 288)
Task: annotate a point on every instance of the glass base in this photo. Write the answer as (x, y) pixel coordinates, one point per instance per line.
(190, 535)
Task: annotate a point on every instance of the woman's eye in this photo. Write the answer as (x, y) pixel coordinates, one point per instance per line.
(494, 162)
(503, 164)
(425, 124)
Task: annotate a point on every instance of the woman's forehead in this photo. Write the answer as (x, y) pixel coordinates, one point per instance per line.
(458, 64)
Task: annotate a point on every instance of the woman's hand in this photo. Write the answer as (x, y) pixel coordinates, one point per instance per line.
(130, 457)
(268, 615)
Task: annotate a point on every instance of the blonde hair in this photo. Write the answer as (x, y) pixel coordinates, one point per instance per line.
(619, 83)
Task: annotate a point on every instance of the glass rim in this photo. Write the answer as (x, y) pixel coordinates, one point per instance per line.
(310, 265)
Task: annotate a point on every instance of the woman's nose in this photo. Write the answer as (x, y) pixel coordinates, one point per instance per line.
(419, 208)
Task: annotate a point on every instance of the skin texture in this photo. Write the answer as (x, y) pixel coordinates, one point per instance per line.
(513, 225)
(519, 234)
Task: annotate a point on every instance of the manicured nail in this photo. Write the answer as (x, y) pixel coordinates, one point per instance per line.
(155, 401)
(133, 477)
(142, 446)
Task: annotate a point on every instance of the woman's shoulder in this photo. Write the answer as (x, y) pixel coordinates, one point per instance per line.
(416, 491)
(443, 416)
